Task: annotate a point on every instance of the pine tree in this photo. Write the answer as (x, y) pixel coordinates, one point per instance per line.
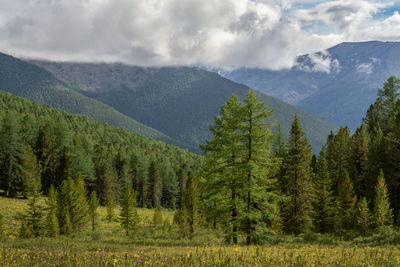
(93, 205)
(128, 215)
(297, 182)
(323, 199)
(346, 202)
(157, 217)
(30, 173)
(182, 178)
(52, 226)
(383, 214)
(363, 216)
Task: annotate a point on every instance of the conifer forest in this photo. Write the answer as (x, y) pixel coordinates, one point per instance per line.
(83, 185)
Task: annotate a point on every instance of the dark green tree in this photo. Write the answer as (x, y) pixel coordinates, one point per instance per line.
(346, 201)
(155, 182)
(323, 197)
(190, 205)
(298, 182)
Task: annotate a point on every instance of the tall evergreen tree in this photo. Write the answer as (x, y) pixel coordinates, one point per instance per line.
(346, 202)
(190, 205)
(52, 225)
(383, 214)
(297, 182)
(323, 199)
(225, 182)
(128, 215)
(339, 157)
(359, 161)
(34, 213)
(260, 187)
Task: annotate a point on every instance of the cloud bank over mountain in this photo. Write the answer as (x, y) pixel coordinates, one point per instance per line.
(222, 33)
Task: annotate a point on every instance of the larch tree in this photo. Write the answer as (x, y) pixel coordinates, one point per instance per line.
(346, 201)
(363, 216)
(128, 216)
(382, 214)
(93, 205)
(260, 187)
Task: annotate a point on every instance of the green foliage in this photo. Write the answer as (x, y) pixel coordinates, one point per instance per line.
(52, 226)
(72, 205)
(382, 214)
(66, 145)
(323, 196)
(155, 181)
(128, 215)
(346, 201)
(363, 216)
(110, 209)
(297, 182)
(189, 221)
(157, 217)
(1, 225)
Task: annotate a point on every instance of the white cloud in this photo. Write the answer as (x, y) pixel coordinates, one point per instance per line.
(223, 33)
(367, 67)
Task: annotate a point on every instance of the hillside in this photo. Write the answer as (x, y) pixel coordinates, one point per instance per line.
(27, 80)
(68, 145)
(338, 84)
(178, 101)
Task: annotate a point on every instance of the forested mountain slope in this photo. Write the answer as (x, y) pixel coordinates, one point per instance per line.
(67, 145)
(178, 101)
(27, 80)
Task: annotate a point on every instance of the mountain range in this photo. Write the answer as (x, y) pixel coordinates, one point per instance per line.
(180, 102)
(337, 84)
(172, 104)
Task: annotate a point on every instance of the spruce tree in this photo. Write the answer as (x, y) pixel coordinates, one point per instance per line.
(363, 216)
(298, 182)
(339, 157)
(93, 205)
(346, 202)
(323, 199)
(128, 215)
(383, 214)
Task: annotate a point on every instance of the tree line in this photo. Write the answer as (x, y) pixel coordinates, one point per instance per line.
(252, 182)
(255, 183)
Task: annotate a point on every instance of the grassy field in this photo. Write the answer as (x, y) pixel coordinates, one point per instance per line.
(163, 246)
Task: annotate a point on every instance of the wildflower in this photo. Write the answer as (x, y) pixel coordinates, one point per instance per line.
(138, 261)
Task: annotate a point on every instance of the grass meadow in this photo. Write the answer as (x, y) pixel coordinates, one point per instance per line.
(162, 245)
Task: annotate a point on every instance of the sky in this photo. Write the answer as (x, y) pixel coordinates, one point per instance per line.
(217, 33)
